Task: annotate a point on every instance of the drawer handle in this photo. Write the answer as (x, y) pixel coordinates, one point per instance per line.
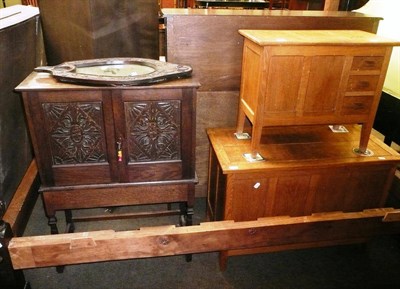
(362, 84)
(358, 105)
(257, 185)
(369, 63)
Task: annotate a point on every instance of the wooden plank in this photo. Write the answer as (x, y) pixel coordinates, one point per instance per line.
(21, 205)
(64, 249)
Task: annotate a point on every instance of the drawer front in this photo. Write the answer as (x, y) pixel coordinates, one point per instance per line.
(362, 83)
(357, 104)
(367, 63)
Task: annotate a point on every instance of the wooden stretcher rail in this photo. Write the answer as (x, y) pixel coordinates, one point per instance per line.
(76, 248)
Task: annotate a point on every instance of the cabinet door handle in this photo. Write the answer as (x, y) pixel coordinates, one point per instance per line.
(119, 150)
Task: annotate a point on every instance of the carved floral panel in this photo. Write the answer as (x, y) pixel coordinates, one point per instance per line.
(153, 130)
(76, 132)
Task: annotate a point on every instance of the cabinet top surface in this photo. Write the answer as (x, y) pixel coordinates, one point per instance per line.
(40, 81)
(171, 12)
(316, 37)
(297, 147)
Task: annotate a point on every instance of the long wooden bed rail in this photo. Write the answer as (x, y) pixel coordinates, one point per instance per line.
(23, 201)
(275, 233)
(87, 247)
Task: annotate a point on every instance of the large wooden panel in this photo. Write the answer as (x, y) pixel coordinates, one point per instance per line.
(195, 37)
(86, 29)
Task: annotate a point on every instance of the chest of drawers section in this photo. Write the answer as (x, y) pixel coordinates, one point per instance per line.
(311, 77)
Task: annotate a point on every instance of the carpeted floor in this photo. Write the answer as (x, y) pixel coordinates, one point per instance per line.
(374, 265)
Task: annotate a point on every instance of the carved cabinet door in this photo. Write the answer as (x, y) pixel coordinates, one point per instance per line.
(155, 131)
(73, 136)
(102, 136)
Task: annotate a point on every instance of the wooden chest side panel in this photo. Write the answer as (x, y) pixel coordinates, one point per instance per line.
(215, 189)
(290, 198)
(252, 196)
(252, 61)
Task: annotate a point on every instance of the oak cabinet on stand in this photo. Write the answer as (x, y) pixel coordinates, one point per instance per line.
(112, 146)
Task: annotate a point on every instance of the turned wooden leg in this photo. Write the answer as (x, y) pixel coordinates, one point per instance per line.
(364, 139)
(241, 118)
(186, 216)
(186, 219)
(70, 223)
(256, 139)
(223, 260)
(52, 222)
(189, 216)
(189, 222)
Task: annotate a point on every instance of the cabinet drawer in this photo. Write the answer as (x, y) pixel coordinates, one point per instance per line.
(357, 104)
(367, 63)
(362, 83)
